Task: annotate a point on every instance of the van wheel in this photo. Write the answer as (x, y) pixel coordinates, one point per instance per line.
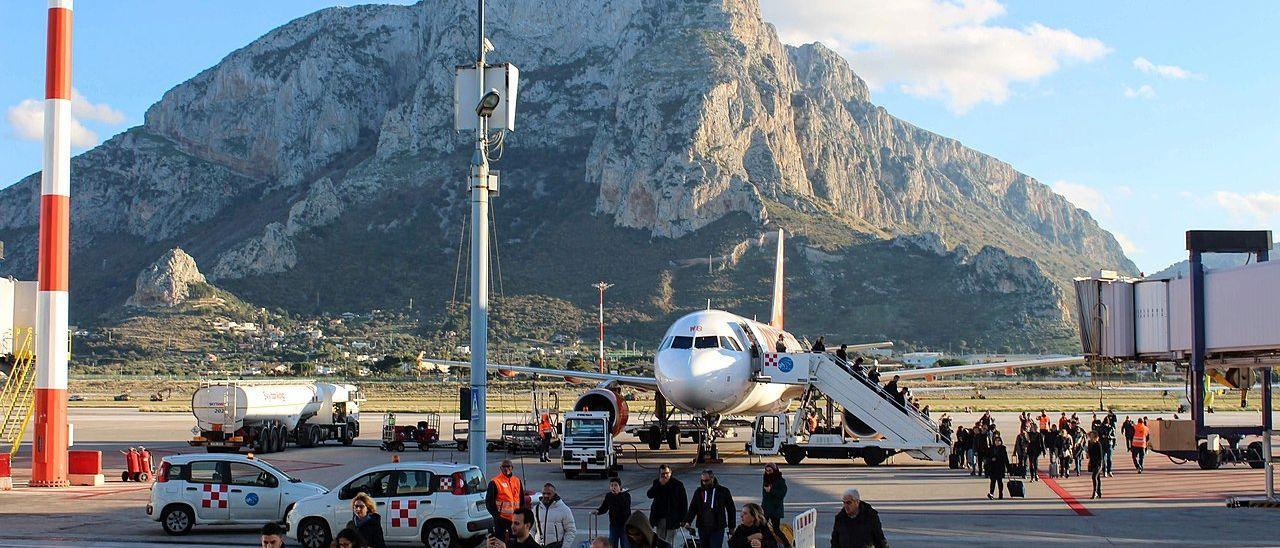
(176, 520)
(438, 534)
(314, 533)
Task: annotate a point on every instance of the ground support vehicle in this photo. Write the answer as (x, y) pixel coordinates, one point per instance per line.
(519, 438)
(588, 445)
(440, 505)
(262, 416)
(424, 434)
(204, 489)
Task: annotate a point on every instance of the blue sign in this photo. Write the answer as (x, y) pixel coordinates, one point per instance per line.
(475, 402)
(785, 365)
(251, 499)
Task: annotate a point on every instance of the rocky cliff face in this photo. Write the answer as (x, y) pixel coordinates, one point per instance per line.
(324, 150)
(167, 282)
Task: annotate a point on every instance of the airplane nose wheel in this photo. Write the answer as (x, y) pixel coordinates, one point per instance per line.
(708, 453)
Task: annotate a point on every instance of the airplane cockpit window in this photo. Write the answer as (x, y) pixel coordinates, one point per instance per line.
(666, 343)
(682, 342)
(730, 342)
(706, 342)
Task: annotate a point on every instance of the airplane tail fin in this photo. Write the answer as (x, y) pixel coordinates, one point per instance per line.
(775, 319)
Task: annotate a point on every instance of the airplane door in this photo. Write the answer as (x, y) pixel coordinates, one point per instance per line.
(745, 333)
(765, 438)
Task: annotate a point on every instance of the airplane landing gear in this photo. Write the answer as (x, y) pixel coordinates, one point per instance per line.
(708, 453)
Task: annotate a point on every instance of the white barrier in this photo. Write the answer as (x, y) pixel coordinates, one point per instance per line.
(805, 527)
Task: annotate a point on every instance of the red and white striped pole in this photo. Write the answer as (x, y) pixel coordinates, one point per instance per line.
(49, 446)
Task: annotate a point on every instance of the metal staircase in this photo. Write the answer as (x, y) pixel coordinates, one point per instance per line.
(16, 397)
(876, 408)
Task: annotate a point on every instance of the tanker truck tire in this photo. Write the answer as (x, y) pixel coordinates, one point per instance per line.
(260, 444)
(282, 438)
(313, 436)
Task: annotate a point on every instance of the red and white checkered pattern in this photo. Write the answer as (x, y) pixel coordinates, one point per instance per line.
(770, 359)
(446, 485)
(215, 495)
(404, 513)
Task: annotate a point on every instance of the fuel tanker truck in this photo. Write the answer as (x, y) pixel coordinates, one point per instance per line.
(263, 416)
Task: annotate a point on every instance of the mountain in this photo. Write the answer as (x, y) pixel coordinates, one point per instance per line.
(1211, 261)
(316, 169)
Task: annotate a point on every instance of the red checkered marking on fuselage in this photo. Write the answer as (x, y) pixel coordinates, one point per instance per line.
(403, 513)
(215, 495)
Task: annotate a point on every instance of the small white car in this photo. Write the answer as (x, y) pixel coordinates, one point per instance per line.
(439, 505)
(222, 489)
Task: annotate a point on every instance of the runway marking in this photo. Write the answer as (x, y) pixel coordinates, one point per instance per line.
(1065, 495)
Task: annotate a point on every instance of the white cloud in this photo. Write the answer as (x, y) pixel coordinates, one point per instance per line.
(1262, 207)
(940, 49)
(1126, 244)
(1084, 197)
(1143, 92)
(26, 119)
(1167, 71)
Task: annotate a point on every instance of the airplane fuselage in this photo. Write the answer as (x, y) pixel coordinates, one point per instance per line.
(703, 365)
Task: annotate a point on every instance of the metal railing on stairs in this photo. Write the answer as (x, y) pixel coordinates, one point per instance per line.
(16, 397)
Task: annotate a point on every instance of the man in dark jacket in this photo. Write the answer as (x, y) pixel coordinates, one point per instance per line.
(857, 524)
(616, 503)
(669, 503)
(712, 510)
(981, 449)
(1035, 447)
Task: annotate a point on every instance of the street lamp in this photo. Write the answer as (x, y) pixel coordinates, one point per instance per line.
(602, 286)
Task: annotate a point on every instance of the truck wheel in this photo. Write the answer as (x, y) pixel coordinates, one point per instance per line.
(438, 534)
(314, 533)
(397, 446)
(176, 519)
(313, 436)
(673, 439)
(1208, 460)
(282, 438)
(261, 442)
(873, 456)
(793, 456)
(1254, 455)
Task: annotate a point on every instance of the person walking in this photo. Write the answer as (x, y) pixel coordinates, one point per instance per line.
(711, 510)
(1107, 437)
(521, 532)
(554, 520)
(997, 463)
(1079, 442)
(1138, 447)
(1052, 447)
(820, 345)
(1020, 448)
(842, 353)
(981, 448)
(773, 495)
(366, 521)
(544, 437)
(1035, 447)
(781, 345)
(641, 535)
(272, 535)
(753, 530)
(891, 388)
(348, 538)
(1127, 430)
(504, 495)
(873, 374)
(669, 503)
(616, 503)
(857, 524)
(1043, 421)
(1096, 463)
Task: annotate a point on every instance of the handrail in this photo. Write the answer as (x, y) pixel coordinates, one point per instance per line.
(907, 409)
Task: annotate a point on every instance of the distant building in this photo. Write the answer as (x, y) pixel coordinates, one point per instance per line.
(920, 359)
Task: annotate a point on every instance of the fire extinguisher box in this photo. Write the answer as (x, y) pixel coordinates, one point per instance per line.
(85, 468)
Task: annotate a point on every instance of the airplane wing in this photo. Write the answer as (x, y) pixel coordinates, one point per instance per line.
(624, 380)
(932, 372)
(936, 389)
(868, 346)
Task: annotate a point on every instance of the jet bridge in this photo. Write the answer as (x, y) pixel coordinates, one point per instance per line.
(876, 425)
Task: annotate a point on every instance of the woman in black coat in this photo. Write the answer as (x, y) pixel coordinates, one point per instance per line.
(1095, 464)
(366, 521)
(753, 530)
(997, 463)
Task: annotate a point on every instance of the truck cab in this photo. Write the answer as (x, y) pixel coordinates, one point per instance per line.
(588, 446)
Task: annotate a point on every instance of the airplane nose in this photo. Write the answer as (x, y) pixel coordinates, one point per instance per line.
(697, 380)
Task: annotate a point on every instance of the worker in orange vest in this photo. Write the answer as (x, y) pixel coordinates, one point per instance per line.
(503, 497)
(544, 436)
(1139, 445)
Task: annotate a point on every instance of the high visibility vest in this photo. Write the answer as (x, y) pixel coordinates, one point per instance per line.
(1140, 435)
(1044, 423)
(510, 493)
(544, 427)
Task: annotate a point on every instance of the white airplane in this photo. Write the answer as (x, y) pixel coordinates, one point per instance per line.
(704, 366)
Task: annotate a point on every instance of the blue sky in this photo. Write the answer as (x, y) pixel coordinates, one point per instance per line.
(1156, 118)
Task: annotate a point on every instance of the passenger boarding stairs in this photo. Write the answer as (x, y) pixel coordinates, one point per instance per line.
(16, 396)
(902, 427)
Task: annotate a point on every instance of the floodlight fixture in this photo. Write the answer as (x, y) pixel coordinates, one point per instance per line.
(488, 103)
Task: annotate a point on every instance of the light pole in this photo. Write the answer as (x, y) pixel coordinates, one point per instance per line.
(479, 264)
(602, 286)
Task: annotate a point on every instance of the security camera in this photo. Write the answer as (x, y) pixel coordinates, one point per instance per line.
(488, 103)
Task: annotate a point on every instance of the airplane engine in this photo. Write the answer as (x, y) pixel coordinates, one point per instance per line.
(604, 399)
(506, 373)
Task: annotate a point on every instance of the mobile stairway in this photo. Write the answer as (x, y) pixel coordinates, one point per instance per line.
(875, 425)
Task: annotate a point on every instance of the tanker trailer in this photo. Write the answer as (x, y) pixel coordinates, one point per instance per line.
(263, 416)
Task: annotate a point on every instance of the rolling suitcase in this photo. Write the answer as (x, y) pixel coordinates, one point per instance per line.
(954, 461)
(1015, 489)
